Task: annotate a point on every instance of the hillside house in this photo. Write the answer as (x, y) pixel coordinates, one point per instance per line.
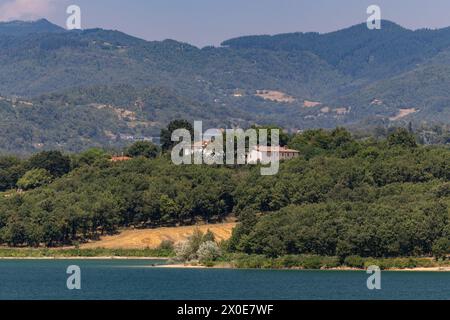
(259, 153)
(254, 156)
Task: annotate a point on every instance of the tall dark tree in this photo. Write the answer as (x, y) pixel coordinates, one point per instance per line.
(53, 161)
(401, 137)
(166, 134)
(11, 169)
(283, 136)
(143, 149)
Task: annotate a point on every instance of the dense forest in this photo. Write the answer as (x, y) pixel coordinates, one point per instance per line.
(342, 197)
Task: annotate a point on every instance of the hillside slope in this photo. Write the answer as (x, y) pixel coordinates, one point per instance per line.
(152, 238)
(340, 78)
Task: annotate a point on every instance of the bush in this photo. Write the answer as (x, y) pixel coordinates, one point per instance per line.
(166, 245)
(208, 251)
(252, 262)
(183, 251)
(198, 247)
(289, 261)
(354, 262)
(209, 236)
(312, 262)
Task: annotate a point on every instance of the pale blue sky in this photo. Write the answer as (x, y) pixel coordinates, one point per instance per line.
(208, 22)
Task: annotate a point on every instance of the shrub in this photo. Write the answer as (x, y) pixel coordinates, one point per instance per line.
(183, 251)
(441, 248)
(354, 262)
(208, 251)
(312, 262)
(166, 245)
(252, 261)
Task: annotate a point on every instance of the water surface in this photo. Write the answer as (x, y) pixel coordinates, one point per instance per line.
(134, 279)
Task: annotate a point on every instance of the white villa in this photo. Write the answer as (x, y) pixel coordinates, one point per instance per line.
(197, 148)
(256, 155)
(259, 153)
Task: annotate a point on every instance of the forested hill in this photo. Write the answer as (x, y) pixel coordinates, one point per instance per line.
(22, 28)
(98, 116)
(341, 197)
(357, 51)
(298, 80)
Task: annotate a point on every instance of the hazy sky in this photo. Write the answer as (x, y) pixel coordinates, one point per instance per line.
(208, 22)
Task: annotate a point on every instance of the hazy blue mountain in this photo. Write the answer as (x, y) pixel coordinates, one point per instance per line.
(296, 80)
(21, 28)
(358, 51)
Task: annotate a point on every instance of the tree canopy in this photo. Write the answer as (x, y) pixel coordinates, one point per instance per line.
(342, 197)
(143, 149)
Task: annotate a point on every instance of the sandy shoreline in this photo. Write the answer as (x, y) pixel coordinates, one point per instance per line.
(180, 266)
(220, 266)
(434, 269)
(187, 266)
(430, 269)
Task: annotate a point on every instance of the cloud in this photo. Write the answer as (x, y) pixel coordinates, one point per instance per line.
(26, 9)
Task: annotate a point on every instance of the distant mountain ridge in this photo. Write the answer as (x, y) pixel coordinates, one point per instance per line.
(21, 28)
(351, 46)
(346, 77)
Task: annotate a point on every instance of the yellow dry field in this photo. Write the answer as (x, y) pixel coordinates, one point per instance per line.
(273, 95)
(311, 104)
(403, 113)
(152, 238)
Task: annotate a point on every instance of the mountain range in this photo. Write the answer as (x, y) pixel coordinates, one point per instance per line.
(82, 88)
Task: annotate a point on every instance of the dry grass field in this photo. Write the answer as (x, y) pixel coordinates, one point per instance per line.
(403, 113)
(152, 238)
(273, 95)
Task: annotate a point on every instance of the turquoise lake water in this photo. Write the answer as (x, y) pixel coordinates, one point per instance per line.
(135, 280)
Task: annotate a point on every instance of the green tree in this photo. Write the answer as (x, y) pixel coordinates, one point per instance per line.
(166, 134)
(247, 222)
(283, 136)
(441, 248)
(11, 169)
(143, 149)
(168, 209)
(53, 161)
(92, 156)
(401, 137)
(15, 233)
(34, 178)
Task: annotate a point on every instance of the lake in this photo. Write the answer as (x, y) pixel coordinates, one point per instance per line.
(135, 280)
